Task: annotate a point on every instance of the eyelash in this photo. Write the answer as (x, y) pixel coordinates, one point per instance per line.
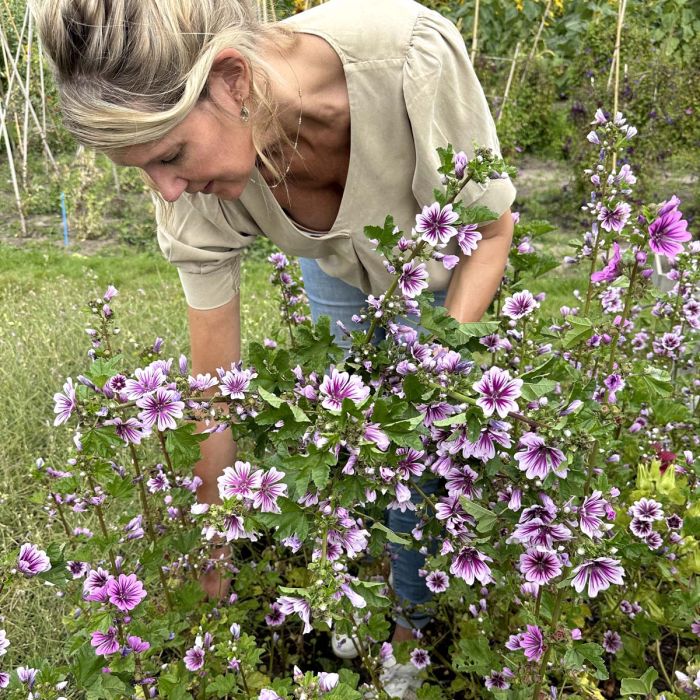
(172, 160)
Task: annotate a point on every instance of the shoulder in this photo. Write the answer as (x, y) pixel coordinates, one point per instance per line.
(366, 30)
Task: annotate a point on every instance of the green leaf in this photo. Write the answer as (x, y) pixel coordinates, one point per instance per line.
(474, 656)
(292, 519)
(457, 419)
(102, 442)
(593, 653)
(86, 665)
(316, 347)
(343, 692)
(183, 446)
(391, 535)
(102, 370)
(269, 397)
(639, 686)
(534, 391)
(477, 330)
(108, 686)
(477, 215)
(485, 519)
(582, 330)
(385, 235)
(369, 590)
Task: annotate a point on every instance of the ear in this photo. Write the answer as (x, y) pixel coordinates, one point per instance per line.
(229, 76)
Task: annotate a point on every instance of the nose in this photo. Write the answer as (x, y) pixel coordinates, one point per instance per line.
(169, 185)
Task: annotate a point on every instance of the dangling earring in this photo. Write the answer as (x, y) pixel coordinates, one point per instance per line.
(245, 114)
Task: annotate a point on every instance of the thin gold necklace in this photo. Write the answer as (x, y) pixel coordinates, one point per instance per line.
(296, 139)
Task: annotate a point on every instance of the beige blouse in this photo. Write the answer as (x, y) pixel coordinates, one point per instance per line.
(412, 89)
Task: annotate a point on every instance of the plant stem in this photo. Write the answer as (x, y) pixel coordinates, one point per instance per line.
(62, 517)
(245, 681)
(591, 463)
(594, 262)
(417, 251)
(625, 316)
(103, 526)
(164, 449)
(142, 494)
(543, 666)
(661, 664)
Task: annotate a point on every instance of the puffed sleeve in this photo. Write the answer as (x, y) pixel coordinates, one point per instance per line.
(194, 235)
(446, 104)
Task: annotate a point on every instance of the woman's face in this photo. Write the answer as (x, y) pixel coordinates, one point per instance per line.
(209, 152)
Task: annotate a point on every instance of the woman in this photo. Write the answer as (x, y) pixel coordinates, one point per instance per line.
(304, 131)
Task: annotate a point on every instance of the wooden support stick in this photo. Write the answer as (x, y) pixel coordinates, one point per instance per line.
(42, 135)
(508, 83)
(537, 41)
(13, 173)
(616, 60)
(475, 32)
(27, 92)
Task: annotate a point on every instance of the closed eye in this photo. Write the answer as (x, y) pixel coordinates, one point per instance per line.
(172, 159)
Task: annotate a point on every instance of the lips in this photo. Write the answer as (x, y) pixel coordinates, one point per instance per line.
(208, 188)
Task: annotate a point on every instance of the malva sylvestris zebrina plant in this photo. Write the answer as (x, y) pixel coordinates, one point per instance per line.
(551, 463)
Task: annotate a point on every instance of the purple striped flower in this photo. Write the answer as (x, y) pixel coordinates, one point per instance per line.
(598, 574)
(537, 460)
(468, 238)
(27, 675)
(64, 404)
(290, 605)
(498, 392)
(669, 230)
(532, 643)
(239, 481)
(194, 658)
(611, 271)
(376, 436)
(647, 509)
(435, 224)
(235, 381)
(161, 408)
(32, 560)
(499, 680)
(591, 514)
(518, 306)
(147, 380)
(539, 565)
(339, 386)
(413, 279)
(470, 564)
(4, 642)
(614, 219)
(641, 528)
(126, 592)
(612, 642)
(4, 679)
(105, 643)
(420, 658)
(437, 581)
(268, 491)
(136, 644)
(327, 681)
(275, 617)
(539, 534)
(129, 430)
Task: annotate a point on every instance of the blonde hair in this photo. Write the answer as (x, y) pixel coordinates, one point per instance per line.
(129, 71)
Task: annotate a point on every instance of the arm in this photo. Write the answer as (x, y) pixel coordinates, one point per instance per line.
(476, 278)
(215, 337)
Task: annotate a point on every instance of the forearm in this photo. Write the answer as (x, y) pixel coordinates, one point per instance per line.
(476, 277)
(215, 339)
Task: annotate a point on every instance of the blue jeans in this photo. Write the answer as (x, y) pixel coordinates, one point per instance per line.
(332, 297)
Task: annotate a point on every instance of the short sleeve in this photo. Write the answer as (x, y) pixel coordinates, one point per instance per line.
(446, 105)
(194, 235)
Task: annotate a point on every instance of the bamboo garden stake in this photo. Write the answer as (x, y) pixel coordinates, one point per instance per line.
(475, 32)
(508, 82)
(531, 55)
